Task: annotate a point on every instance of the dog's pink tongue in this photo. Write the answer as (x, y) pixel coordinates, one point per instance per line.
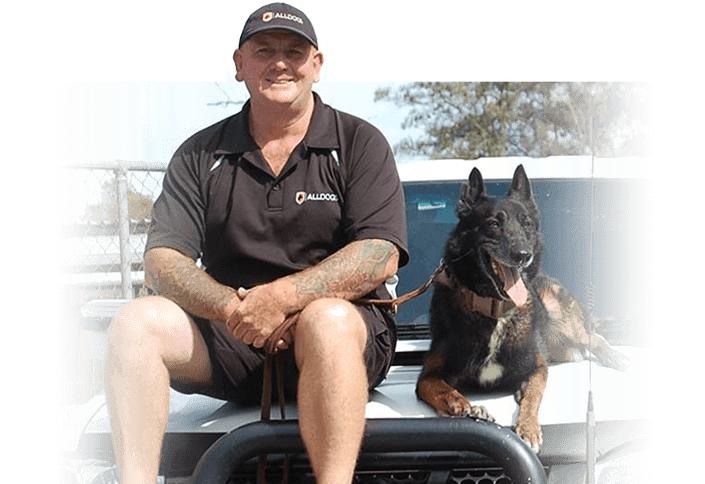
(518, 292)
(515, 288)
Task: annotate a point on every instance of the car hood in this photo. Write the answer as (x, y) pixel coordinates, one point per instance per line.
(618, 396)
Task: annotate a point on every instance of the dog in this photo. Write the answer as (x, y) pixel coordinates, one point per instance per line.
(496, 319)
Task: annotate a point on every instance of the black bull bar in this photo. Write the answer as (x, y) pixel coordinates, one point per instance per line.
(498, 443)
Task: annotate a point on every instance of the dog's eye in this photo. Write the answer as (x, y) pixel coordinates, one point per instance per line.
(498, 220)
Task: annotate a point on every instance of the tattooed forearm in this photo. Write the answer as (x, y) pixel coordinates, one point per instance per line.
(177, 277)
(351, 272)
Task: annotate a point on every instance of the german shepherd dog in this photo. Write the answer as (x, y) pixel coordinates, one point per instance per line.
(497, 320)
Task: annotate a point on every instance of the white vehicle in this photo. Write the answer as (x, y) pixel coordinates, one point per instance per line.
(212, 441)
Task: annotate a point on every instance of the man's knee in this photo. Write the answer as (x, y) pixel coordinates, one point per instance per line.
(326, 324)
(155, 329)
(148, 324)
(138, 318)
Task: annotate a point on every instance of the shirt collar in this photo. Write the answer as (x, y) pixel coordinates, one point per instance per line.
(236, 137)
(322, 132)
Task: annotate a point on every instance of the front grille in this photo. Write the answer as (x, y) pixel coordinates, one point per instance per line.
(489, 475)
(413, 331)
(479, 476)
(494, 475)
(410, 477)
(475, 475)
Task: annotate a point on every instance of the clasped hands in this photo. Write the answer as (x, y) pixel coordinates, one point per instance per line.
(256, 319)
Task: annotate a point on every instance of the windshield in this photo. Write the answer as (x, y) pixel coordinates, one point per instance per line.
(619, 231)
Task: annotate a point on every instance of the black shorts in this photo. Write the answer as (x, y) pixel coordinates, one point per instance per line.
(238, 368)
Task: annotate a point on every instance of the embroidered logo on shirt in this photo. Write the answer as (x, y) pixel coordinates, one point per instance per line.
(302, 197)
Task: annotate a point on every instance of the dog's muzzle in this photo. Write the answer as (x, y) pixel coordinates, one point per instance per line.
(523, 258)
(505, 276)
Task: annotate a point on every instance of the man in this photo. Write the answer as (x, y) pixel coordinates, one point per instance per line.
(292, 208)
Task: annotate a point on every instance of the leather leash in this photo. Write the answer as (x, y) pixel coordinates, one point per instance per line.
(398, 301)
(273, 363)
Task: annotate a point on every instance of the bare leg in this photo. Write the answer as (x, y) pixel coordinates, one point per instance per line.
(150, 339)
(333, 390)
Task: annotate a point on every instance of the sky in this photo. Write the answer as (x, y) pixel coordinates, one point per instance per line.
(147, 121)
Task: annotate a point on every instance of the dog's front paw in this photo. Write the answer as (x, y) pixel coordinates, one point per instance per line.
(530, 431)
(456, 405)
(478, 411)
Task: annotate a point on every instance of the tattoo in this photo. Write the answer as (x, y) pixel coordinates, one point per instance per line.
(177, 277)
(351, 272)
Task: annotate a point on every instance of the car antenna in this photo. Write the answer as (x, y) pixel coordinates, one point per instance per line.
(590, 426)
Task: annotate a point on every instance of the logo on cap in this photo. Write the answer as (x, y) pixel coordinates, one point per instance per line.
(278, 16)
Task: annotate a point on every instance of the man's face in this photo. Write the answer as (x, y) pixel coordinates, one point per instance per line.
(278, 66)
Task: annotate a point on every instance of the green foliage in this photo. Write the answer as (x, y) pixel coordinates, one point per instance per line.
(474, 119)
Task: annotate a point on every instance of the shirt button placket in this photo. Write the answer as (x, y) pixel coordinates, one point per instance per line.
(275, 197)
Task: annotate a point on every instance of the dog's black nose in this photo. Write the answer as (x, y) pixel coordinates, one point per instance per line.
(522, 257)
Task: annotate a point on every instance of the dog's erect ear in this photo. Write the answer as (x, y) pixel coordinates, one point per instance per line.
(472, 191)
(475, 188)
(521, 186)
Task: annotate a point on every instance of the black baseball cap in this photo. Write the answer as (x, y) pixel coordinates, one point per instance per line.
(279, 16)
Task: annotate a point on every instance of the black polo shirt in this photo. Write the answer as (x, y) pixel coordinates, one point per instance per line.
(221, 203)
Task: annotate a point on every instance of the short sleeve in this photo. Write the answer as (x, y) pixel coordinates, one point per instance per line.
(374, 197)
(178, 215)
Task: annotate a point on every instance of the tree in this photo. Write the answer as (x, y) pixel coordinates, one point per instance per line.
(139, 206)
(474, 119)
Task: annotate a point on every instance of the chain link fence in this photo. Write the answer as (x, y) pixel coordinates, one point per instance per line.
(104, 234)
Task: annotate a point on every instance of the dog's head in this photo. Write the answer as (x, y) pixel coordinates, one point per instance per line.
(497, 240)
